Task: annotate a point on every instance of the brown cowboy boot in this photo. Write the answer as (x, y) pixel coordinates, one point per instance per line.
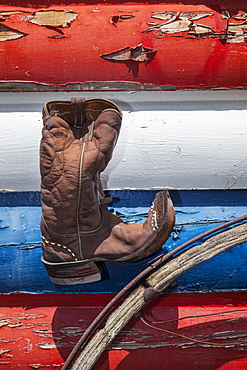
(78, 231)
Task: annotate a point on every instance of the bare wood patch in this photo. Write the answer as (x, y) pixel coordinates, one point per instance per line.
(188, 15)
(138, 54)
(7, 34)
(54, 18)
(200, 29)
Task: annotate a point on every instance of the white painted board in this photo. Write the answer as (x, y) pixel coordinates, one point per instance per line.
(178, 140)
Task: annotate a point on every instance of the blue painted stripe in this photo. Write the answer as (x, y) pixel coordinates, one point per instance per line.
(22, 270)
(142, 198)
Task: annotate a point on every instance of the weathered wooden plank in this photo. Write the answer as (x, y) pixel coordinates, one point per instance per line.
(195, 45)
(20, 250)
(179, 140)
(40, 334)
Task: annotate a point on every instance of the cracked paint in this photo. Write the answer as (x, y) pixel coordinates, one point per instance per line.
(7, 34)
(4, 322)
(4, 15)
(199, 29)
(96, 26)
(47, 345)
(236, 31)
(72, 331)
(195, 320)
(53, 18)
(189, 15)
(138, 54)
(181, 22)
(230, 334)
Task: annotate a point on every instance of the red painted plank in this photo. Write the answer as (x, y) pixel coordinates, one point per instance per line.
(196, 331)
(67, 46)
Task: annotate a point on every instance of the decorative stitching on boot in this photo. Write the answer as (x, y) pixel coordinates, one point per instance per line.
(47, 243)
(154, 223)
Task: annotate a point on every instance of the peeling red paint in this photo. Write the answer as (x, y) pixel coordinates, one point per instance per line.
(138, 54)
(116, 18)
(184, 36)
(54, 18)
(219, 318)
(4, 351)
(7, 34)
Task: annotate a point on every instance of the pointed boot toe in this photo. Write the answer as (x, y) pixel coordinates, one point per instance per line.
(161, 221)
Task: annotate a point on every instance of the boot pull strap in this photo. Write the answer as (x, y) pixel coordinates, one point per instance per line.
(78, 112)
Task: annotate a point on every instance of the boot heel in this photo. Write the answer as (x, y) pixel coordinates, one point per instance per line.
(72, 273)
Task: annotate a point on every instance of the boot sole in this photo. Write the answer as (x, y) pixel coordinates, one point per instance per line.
(73, 273)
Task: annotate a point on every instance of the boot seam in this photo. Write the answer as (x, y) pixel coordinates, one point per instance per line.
(46, 243)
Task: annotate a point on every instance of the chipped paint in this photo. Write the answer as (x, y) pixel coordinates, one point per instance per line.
(39, 366)
(181, 23)
(43, 331)
(189, 15)
(4, 351)
(54, 18)
(138, 53)
(175, 26)
(9, 13)
(72, 331)
(237, 33)
(230, 334)
(196, 317)
(15, 325)
(186, 23)
(28, 347)
(62, 33)
(47, 345)
(200, 15)
(4, 322)
(199, 29)
(8, 34)
(116, 18)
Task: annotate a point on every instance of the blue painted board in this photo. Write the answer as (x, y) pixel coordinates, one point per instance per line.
(22, 270)
(143, 198)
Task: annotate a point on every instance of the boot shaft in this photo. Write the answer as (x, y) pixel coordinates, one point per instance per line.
(77, 143)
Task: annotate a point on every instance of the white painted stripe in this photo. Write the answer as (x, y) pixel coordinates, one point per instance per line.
(181, 140)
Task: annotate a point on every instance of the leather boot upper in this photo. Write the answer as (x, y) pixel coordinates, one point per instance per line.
(71, 160)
